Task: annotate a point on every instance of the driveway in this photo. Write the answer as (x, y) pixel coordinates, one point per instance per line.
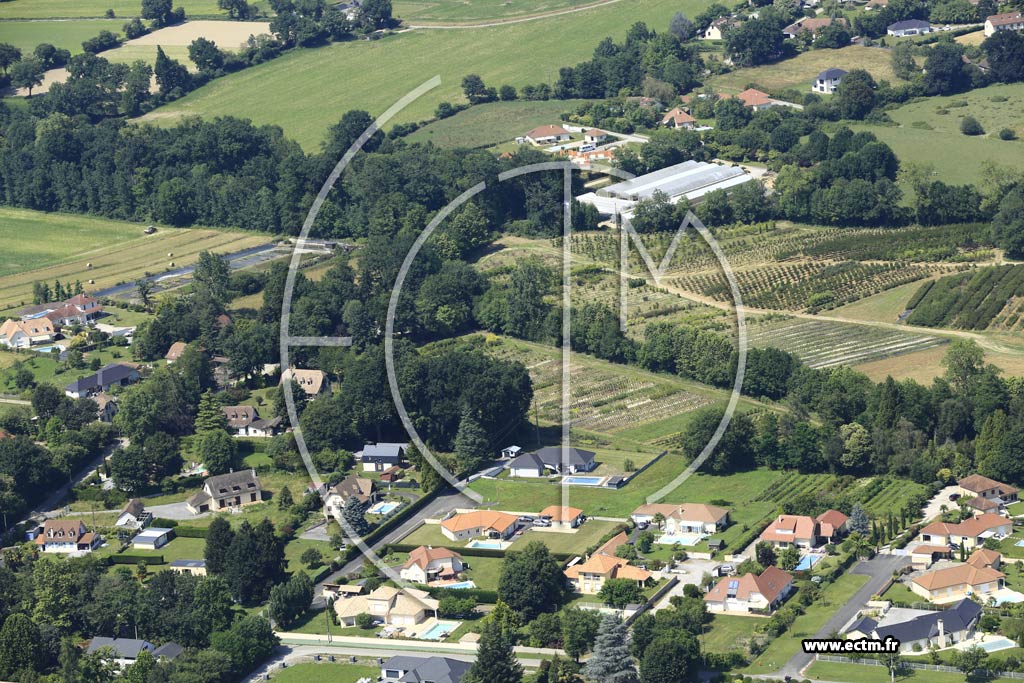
(445, 502)
(879, 570)
(934, 507)
(178, 511)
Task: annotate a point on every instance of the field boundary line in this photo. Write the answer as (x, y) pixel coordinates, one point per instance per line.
(513, 20)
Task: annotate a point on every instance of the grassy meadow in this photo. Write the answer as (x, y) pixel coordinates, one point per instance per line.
(25, 35)
(428, 12)
(959, 158)
(799, 71)
(50, 246)
(306, 91)
(490, 124)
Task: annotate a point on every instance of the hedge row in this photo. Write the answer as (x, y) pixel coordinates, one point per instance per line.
(471, 552)
(191, 531)
(352, 552)
(135, 559)
(164, 522)
(481, 595)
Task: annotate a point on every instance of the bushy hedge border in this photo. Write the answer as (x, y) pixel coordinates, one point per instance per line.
(135, 559)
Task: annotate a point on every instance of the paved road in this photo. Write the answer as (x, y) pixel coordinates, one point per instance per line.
(879, 570)
(444, 503)
(178, 511)
(290, 653)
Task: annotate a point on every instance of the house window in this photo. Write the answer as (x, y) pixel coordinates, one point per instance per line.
(392, 673)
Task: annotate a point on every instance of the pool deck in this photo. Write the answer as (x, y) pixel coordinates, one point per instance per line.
(421, 630)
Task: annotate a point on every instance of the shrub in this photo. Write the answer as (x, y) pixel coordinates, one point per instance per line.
(364, 621)
(970, 126)
(1007, 134)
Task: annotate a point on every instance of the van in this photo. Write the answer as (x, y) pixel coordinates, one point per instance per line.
(588, 148)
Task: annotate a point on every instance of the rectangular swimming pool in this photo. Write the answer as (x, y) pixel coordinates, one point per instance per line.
(583, 481)
(997, 644)
(487, 545)
(806, 562)
(439, 630)
(459, 586)
(383, 508)
(681, 539)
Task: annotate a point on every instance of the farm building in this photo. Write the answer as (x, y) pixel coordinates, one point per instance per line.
(910, 27)
(828, 81)
(1008, 21)
(690, 179)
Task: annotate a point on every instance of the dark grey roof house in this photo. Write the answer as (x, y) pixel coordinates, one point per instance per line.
(224, 491)
(112, 375)
(943, 629)
(527, 465)
(126, 650)
(575, 459)
(423, 670)
(381, 456)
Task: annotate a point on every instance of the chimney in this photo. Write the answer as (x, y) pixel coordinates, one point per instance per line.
(942, 630)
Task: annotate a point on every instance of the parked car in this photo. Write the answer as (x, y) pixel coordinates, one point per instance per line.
(954, 496)
(542, 522)
(526, 519)
(642, 525)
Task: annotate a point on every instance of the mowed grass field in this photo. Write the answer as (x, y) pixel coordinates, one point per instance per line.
(71, 9)
(802, 69)
(306, 91)
(428, 12)
(69, 35)
(48, 247)
(494, 123)
(927, 135)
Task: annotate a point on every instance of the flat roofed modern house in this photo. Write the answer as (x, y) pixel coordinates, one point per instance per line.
(226, 491)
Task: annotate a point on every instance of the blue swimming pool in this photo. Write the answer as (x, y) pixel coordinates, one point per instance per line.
(487, 545)
(459, 585)
(806, 562)
(681, 539)
(997, 644)
(383, 508)
(439, 630)
(583, 481)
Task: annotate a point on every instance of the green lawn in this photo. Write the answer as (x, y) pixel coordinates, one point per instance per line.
(900, 593)
(313, 88)
(123, 9)
(325, 672)
(729, 633)
(885, 306)
(293, 551)
(445, 11)
(817, 615)
(801, 70)
(48, 370)
(484, 571)
(860, 673)
(177, 549)
(25, 35)
(493, 123)
(926, 135)
(587, 535)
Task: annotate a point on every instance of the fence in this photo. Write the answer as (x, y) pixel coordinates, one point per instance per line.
(919, 666)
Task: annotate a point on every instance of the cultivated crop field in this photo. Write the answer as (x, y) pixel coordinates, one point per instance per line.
(606, 398)
(71, 9)
(48, 247)
(313, 88)
(811, 286)
(826, 344)
(493, 123)
(971, 301)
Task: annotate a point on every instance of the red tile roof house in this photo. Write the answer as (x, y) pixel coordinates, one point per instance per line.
(791, 530)
(588, 577)
(832, 525)
(426, 564)
(545, 135)
(677, 118)
(1009, 21)
(814, 25)
(969, 533)
(749, 593)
